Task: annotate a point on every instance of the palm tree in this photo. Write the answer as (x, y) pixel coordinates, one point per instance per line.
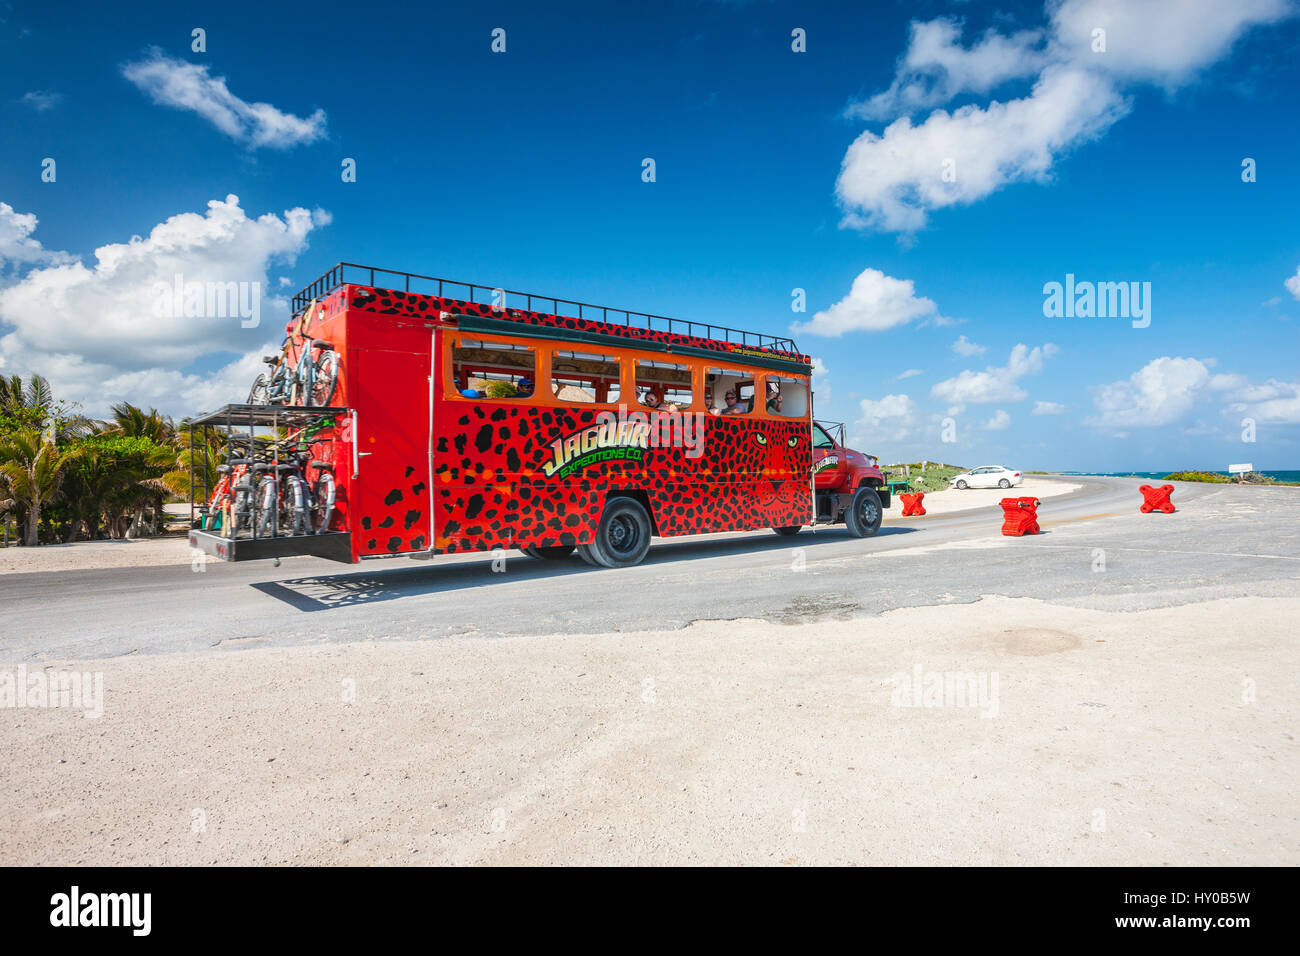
(33, 405)
(33, 468)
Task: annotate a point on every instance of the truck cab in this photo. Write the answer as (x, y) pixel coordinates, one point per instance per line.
(839, 471)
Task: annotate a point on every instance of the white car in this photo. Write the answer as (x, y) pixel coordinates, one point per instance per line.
(987, 476)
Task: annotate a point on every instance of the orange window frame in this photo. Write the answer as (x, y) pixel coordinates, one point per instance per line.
(541, 364)
(619, 355)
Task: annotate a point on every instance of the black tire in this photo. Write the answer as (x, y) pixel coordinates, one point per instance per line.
(865, 514)
(962, 485)
(1004, 483)
(325, 379)
(322, 503)
(622, 538)
(790, 531)
(260, 393)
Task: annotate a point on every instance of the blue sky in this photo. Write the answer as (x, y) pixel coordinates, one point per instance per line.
(524, 169)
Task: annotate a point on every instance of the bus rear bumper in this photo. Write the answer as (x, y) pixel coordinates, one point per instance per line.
(333, 545)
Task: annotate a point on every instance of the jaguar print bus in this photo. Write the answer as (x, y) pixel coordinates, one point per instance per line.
(410, 415)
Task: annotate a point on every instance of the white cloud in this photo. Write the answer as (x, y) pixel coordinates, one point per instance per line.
(17, 247)
(888, 418)
(907, 374)
(995, 384)
(1158, 41)
(964, 346)
(187, 86)
(94, 330)
(999, 422)
(875, 302)
(1161, 392)
(936, 67)
(42, 100)
(893, 180)
(1293, 284)
(1273, 403)
(1048, 408)
(821, 380)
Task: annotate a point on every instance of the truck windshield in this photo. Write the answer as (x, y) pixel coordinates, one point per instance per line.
(820, 438)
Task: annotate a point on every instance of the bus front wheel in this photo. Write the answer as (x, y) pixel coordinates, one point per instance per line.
(864, 515)
(622, 538)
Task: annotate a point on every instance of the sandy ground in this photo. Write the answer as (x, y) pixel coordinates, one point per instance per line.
(1152, 737)
(952, 499)
(146, 552)
(150, 552)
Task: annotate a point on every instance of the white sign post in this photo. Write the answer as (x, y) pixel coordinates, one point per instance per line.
(1241, 469)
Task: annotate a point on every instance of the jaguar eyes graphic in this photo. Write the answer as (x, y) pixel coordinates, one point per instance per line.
(792, 441)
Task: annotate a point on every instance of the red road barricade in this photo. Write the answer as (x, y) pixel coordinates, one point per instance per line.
(1020, 516)
(1157, 499)
(912, 503)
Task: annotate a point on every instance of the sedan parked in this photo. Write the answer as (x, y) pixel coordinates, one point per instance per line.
(987, 476)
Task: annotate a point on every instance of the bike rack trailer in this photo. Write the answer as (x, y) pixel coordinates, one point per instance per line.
(233, 424)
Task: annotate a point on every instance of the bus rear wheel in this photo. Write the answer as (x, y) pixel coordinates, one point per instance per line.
(622, 538)
(788, 532)
(864, 515)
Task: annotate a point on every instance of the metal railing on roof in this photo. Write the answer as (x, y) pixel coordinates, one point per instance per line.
(350, 273)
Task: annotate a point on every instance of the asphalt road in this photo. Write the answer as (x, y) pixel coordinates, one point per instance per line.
(1097, 550)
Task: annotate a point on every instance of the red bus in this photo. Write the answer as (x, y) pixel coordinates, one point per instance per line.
(414, 415)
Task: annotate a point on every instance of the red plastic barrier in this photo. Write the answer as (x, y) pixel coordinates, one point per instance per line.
(1157, 499)
(1020, 516)
(912, 503)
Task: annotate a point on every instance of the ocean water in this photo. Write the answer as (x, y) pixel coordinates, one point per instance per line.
(1275, 475)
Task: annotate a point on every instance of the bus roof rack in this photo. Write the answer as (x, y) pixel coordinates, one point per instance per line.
(351, 273)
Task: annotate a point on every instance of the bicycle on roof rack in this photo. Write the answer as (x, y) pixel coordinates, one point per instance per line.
(310, 380)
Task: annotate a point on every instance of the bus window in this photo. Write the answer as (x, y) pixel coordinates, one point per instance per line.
(494, 370)
(786, 397)
(729, 392)
(663, 385)
(585, 377)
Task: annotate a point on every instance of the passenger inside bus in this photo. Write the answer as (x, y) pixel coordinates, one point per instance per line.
(467, 392)
(732, 405)
(774, 398)
(652, 399)
(524, 387)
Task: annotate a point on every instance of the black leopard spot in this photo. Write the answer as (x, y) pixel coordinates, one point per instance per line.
(411, 518)
(365, 522)
(393, 497)
(394, 543)
(387, 522)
